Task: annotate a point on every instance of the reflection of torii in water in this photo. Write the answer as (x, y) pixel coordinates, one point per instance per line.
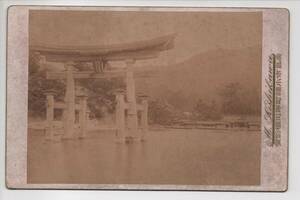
(100, 56)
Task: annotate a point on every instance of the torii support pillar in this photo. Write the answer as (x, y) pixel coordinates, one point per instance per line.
(49, 116)
(69, 114)
(132, 118)
(83, 116)
(120, 117)
(144, 119)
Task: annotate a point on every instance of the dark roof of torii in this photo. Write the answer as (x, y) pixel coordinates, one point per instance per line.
(135, 50)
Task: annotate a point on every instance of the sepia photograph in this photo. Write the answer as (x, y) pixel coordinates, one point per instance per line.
(147, 98)
(144, 97)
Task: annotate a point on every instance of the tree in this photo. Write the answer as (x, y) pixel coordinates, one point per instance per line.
(101, 94)
(160, 112)
(38, 85)
(237, 100)
(206, 111)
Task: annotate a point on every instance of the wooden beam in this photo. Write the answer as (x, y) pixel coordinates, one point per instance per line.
(162, 43)
(83, 75)
(139, 50)
(110, 57)
(62, 105)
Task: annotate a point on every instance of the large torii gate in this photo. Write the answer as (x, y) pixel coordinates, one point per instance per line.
(100, 56)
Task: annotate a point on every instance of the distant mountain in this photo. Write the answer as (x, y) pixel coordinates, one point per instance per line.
(200, 76)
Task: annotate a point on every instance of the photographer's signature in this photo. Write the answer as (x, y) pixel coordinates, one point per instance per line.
(272, 101)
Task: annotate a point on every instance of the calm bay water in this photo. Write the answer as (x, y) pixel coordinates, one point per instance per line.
(167, 157)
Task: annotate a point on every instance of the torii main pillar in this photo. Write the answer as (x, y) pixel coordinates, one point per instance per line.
(132, 118)
(69, 113)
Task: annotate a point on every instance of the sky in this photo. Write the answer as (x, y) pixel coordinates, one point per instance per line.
(196, 32)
